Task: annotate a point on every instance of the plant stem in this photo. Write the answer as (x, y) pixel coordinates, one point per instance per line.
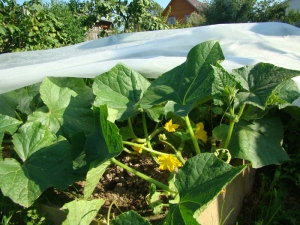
(18, 116)
(241, 110)
(147, 137)
(177, 153)
(150, 150)
(231, 125)
(190, 129)
(155, 132)
(109, 209)
(140, 140)
(143, 176)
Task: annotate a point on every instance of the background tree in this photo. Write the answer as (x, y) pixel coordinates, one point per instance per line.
(137, 15)
(227, 11)
(235, 11)
(270, 10)
(196, 20)
(30, 27)
(293, 17)
(155, 9)
(74, 24)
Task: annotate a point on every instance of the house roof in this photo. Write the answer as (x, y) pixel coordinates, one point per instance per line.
(195, 3)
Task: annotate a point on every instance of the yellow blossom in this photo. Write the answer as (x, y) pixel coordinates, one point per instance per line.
(168, 162)
(171, 127)
(200, 132)
(137, 149)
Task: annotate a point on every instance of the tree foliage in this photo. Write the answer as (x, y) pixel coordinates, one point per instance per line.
(293, 17)
(236, 11)
(270, 10)
(33, 26)
(228, 11)
(196, 20)
(136, 15)
(74, 24)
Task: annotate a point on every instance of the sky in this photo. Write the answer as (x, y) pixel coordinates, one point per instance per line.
(163, 3)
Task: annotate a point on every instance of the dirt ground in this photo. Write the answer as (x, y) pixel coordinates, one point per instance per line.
(126, 190)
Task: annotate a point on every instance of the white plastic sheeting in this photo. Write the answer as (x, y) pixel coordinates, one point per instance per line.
(155, 52)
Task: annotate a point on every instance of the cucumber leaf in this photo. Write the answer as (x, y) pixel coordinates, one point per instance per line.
(20, 99)
(8, 102)
(258, 142)
(198, 184)
(286, 93)
(130, 218)
(102, 144)
(9, 124)
(188, 83)
(46, 162)
(96, 170)
(260, 81)
(68, 106)
(120, 88)
(81, 211)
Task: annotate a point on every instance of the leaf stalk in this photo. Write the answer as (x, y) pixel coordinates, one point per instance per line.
(190, 129)
(143, 176)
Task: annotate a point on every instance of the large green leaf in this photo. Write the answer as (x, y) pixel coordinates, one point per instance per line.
(31, 138)
(25, 97)
(130, 218)
(9, 124)
(198, 182)
(120, 88)
(20, 99)
(187, 83)
(81, 211)
(68, 108)
(260, 81)
(80, 164)
(223, 80)
(8, 102)
(258, 142)
(96, 170)
(46, 163)
(286, 93)
(102, 144)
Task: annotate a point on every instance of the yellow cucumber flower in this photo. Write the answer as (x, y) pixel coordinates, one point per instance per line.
(171, 127)
(200, 132)
(168, 162)
(137, 149)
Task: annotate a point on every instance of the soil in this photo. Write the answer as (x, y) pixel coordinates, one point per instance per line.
(126, 190)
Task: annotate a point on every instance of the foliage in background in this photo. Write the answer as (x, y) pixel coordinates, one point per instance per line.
(34, 27)
(293, 17)
(73, 24)
(196, 20)
(136, 15)
(230, 11)
(269, 10)
(235, 11)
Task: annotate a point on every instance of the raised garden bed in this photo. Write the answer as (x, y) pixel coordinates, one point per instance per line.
(172, 139)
